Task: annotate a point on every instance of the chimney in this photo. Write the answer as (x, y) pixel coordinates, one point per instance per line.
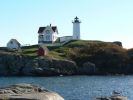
(50, 25)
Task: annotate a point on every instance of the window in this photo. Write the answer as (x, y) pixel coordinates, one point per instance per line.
(41, 38)
(48, 37)
(11, 42)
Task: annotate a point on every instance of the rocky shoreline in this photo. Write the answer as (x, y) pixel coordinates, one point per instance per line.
(13, 64)
(74, 58)
(17, 65)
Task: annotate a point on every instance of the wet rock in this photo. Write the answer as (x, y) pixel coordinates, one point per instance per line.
(113, 98)
(27, 92)
(118, 98)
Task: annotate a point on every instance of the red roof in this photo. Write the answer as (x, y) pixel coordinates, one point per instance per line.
(41, 29)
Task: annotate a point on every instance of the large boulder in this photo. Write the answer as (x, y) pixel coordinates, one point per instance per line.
(118, 98)
(113, 98)
(66, 67)
(87, 68)
(118, 43)
(27, 92)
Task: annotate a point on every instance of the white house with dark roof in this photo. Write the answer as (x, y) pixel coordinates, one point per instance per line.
(48, 34)
(13, 44)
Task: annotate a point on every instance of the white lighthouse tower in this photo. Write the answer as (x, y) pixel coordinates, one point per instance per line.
(76, 28)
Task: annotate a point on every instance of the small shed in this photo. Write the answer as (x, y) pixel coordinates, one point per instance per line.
(13, 44)
(43, 51)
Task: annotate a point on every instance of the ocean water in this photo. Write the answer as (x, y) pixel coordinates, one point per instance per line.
(79, 87)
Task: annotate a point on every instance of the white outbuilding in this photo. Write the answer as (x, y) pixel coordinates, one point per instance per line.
(13, 44)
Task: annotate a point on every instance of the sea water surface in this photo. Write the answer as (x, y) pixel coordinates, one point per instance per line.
(79, 87)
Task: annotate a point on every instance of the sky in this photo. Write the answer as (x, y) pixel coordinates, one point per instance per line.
(104, 20)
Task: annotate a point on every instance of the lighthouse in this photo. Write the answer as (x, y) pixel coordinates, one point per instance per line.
(76, 28)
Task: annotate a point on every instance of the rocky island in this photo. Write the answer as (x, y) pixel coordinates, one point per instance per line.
(77, 57)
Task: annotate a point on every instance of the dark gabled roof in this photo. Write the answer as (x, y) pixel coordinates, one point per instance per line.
(54, 28)
(41, 29)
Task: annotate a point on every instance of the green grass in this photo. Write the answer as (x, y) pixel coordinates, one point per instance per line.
(30, 52)
(73, 47)
(57, 55)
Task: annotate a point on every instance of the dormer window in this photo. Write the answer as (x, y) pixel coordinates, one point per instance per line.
(11, 42)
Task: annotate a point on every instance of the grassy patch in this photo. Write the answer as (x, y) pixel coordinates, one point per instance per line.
(30, 52)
